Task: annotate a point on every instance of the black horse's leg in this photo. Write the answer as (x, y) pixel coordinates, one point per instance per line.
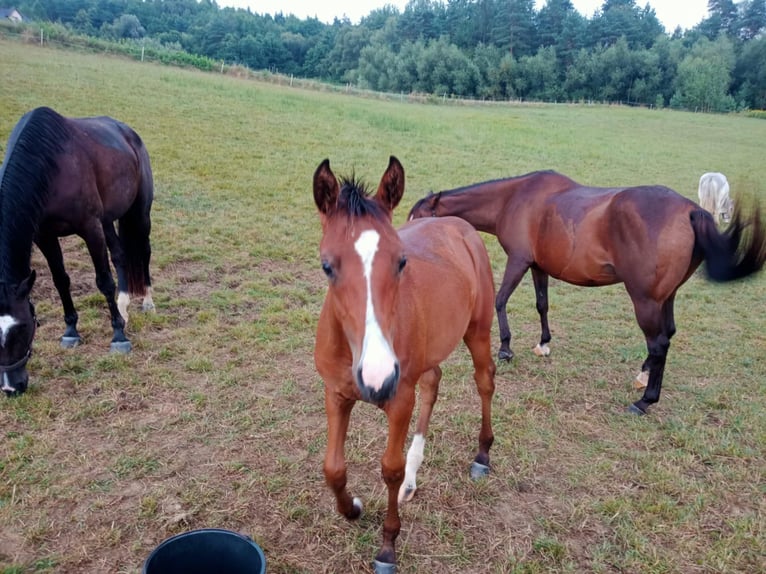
(118, 260)
(656, 321)
(51, 250)
(96, 242)
(514, 271)
(540, 280)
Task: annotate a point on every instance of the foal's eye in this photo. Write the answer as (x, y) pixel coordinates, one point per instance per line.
(402, 263)
(327, 268)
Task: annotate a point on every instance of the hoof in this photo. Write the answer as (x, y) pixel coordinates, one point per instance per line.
(148, 308)
(357, 508)
(542, 350)
(478, 470)
(383, 567)
(122, 347)
(406, 492)
(70, 342)
(636, 410)
(503, 355)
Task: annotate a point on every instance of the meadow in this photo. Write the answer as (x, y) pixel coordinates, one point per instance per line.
(216, 419)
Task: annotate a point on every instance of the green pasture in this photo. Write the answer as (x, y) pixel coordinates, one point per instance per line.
(216, 419)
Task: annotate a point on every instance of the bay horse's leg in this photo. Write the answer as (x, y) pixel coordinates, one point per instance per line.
(655, 320)
(429, 389)
(96, 242)
(338, 411)
(669, 325)
(514, 271)
(477, 339)
(540, 280)
(399, 411)
(118, 260)
(51, 250)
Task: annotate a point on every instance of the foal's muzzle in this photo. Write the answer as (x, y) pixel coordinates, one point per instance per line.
(386, 391)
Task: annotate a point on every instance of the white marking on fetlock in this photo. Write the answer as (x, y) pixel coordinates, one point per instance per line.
(123, 300)
(414, 460)
(148, 304)
(542, 350)
(642, 380)
(6, 322)
(7, 386)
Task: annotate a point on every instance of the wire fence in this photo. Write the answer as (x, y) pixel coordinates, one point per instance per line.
(58, 38)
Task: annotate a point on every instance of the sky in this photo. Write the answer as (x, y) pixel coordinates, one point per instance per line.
(671, 13)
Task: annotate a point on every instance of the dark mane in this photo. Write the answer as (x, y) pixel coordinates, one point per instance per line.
(27, 170)
(355, 199)
(498, 180)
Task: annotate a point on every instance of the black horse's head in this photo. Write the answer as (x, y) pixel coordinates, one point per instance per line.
(17, 331)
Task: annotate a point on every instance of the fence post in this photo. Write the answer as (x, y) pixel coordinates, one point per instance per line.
(222, 61)
(41, 36)
(142, 53)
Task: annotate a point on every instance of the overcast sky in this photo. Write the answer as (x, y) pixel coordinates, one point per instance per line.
(672, 13)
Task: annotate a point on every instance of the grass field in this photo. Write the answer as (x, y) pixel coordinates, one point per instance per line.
(216, 419)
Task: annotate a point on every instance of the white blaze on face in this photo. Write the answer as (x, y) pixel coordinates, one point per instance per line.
(6, 322)
(377, 361)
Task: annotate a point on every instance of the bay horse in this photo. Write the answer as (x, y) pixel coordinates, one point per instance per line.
(63, 176)
(649, 238)
(397, 304)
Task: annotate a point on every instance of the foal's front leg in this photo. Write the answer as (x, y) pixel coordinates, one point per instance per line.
(338, 411)
(399, 412)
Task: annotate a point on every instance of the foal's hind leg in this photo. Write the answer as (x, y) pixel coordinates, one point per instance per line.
(51, 250)
(429, 389)
(94, 239)
(477, 339)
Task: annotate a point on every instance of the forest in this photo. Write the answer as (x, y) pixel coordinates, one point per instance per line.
(483, 49)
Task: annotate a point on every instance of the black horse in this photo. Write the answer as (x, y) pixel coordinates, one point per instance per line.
(64, 176)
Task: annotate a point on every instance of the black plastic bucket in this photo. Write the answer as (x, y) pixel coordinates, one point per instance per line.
(206, 551)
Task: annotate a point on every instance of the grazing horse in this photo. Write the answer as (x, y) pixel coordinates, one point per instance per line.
(650, 238)
(64, 176)
(397, 304)
(714, 196)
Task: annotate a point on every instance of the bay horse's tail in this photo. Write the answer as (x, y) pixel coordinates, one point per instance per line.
(135, 227)
(737, 252)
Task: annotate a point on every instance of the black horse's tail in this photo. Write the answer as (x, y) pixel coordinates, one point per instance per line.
(135, 227)
(737, 252)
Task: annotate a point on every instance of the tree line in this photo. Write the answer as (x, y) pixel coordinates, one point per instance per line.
(488, 49)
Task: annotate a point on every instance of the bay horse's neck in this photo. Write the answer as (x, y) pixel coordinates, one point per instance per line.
(478, 204)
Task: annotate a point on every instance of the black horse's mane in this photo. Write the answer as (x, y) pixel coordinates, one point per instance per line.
(354, 199)
(25, 176)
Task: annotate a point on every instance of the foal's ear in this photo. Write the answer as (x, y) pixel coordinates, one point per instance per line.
(25, 287)
(326, 188)
(391, 188)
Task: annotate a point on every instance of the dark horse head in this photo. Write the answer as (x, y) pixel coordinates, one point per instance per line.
(17, 331)
(25, 175)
